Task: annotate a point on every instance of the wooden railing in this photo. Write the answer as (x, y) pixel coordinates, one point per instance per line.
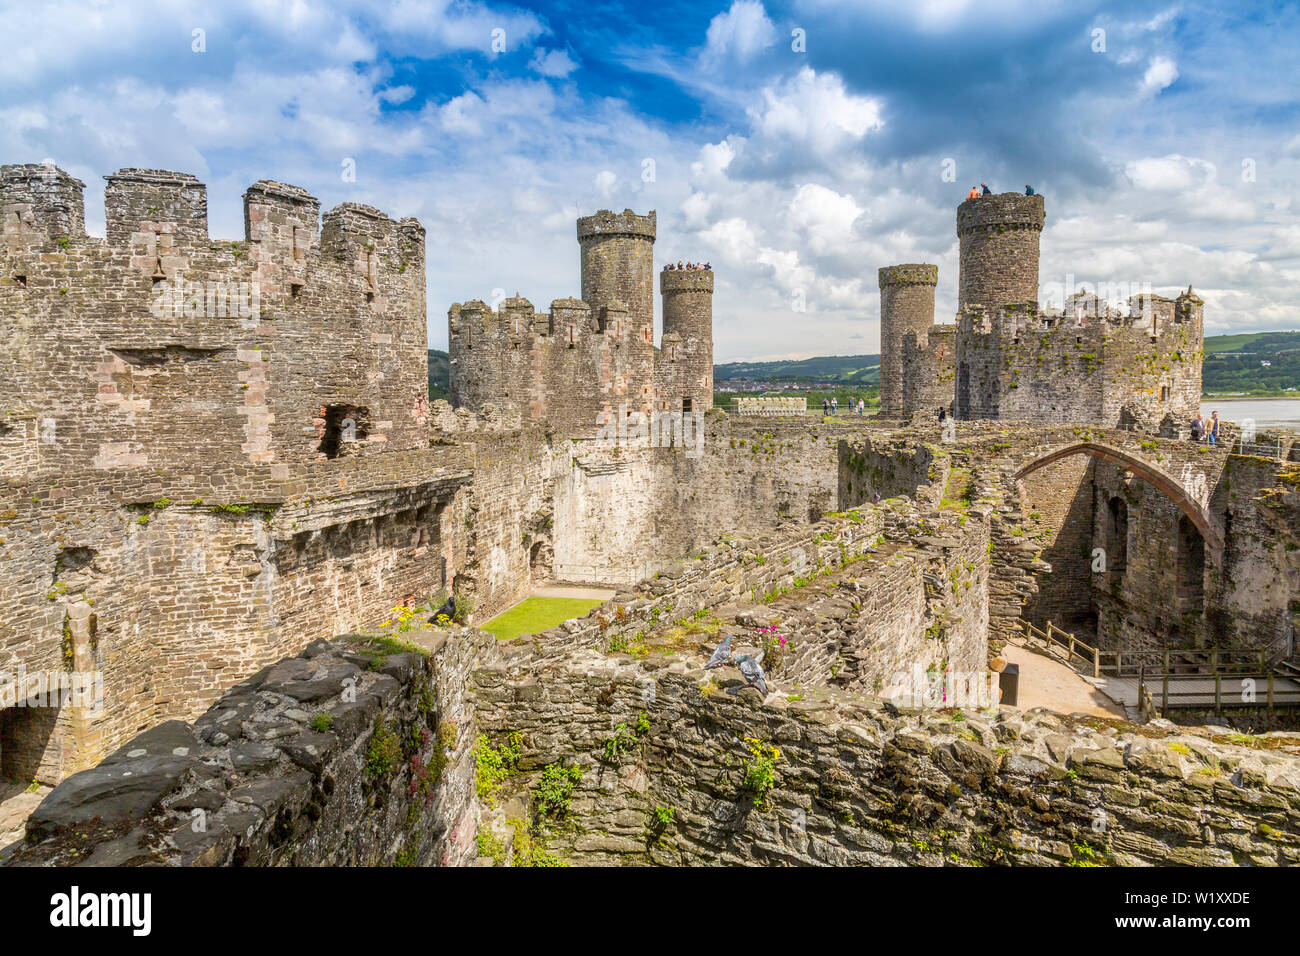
(1186, 663)
(1229, 691)
(1053, 637)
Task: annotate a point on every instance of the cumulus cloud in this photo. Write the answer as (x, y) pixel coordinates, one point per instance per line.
(1173, 172)
(740, 34)
(815, 111)
(556, 64)
(824, 216)
(1160, 74)
(791, 173)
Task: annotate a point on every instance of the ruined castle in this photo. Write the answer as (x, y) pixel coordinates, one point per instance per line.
(585, 359)
(1006, 357)
(222, 475)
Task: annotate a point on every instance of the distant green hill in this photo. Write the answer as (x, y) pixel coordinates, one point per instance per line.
(850, 369)
(1235, 363)
(439, 373)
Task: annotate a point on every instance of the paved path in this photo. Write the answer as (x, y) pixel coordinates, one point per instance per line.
(1046, 682)
(569, 591)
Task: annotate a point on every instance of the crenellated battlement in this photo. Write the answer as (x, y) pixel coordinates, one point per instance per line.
(1083, 314)
(672, 281)
(605, 224)
(590, 355)
(268, 341)
(1009, 357)
(162, 217)
(155, 201)
(1001, 212)
(913, 273)
(41, 202)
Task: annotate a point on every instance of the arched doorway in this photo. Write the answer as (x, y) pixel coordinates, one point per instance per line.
(541, 560)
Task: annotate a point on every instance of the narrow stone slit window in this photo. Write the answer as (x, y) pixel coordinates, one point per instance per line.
(686, 404)
(1164, 393)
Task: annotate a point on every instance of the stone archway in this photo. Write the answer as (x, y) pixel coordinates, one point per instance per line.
(541, 560)
(1189, 505)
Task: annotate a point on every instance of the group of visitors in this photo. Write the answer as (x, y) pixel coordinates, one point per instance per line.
(831, 406)
(983, 190)
(1206, 430)
(689, 265)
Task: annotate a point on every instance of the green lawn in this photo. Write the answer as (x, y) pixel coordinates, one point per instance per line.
(538, 614)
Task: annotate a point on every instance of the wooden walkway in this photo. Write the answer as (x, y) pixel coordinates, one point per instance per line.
(1202, 692)
(1189, 679)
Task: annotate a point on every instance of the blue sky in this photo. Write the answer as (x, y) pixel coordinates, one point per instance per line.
(1164, 135)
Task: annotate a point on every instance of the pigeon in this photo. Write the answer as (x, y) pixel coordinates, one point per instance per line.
(752, 671)
(721, 655)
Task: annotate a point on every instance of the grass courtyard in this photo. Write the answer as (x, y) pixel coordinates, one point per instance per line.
(537, 614)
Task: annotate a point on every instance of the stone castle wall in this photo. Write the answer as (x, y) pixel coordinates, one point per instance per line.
(931, 371)
(1016, 364)
(684, 366)
(216, 451)
(348, 754)
(589, 360)
(999, 250)
(906, 305)
(1008, 359)
(860, 783)
(158, 347)
(863, 594)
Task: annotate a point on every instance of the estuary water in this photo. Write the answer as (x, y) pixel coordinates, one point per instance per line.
(1267, 412)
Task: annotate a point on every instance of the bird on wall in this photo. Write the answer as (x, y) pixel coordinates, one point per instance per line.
(752, 671)
(721, 654)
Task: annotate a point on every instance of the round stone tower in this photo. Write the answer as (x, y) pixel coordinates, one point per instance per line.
(999, 250)
(688, 312)
(618, 266)
(618, 261)
(906, 305)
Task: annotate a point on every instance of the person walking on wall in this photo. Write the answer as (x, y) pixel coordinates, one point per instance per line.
(826, 407)
(1198, 427)
(987, 191)
(974, 193)
(835, 405)
(1213, 435)
(1029, 190)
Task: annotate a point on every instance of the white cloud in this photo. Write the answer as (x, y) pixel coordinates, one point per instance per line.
(556, 64)
(605, 181)
(1160, 74)
(780, 182)
(824, 216)
(740, 34)
(815, 110)
(735, 239)
(714, 160)
(1169, 173)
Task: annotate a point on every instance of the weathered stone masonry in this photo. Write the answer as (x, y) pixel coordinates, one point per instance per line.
(1008, 358)
(589, 359)
(215, 451)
